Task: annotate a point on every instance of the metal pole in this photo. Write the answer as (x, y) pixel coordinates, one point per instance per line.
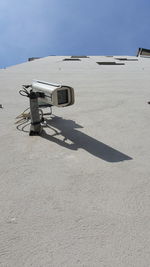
(35, 127)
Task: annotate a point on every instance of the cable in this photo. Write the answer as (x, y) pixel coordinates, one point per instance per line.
(22, 113)
(42, 118)
(22, 129)
(24, 91)
(23, 116)
(48, 113)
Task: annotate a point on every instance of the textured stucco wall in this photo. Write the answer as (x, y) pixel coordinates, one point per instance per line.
(81, 197)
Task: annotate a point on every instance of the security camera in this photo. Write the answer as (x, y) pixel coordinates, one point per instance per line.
(53, 94)
(43, 94)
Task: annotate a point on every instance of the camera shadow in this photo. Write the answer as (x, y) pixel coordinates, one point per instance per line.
(68, 129)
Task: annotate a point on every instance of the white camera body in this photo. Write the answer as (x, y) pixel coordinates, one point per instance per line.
(54, 94)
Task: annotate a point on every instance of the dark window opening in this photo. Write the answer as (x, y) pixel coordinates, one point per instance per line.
(143, 52)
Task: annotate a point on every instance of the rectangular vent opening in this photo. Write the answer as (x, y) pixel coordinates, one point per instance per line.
(71, 59)
(79, 57)
(127, 59)
(33, 58)
(109, 63)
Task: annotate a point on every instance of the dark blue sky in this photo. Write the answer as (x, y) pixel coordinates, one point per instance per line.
(72, 27)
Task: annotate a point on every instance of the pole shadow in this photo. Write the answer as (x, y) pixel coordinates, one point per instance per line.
(68, 129)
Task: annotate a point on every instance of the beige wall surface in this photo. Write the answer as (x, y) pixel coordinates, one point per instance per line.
(79, 194)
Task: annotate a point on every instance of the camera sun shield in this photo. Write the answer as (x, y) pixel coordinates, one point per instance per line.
(54, 94)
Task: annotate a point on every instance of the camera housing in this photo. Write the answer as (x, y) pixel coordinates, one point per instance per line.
(54, 94)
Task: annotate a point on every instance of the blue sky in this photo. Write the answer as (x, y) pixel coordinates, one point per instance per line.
(72, 27)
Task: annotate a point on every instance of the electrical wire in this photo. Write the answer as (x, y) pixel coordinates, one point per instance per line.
(22, 113)
(25, 116)
(48, 113)
(22, 129)
(24, 91)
